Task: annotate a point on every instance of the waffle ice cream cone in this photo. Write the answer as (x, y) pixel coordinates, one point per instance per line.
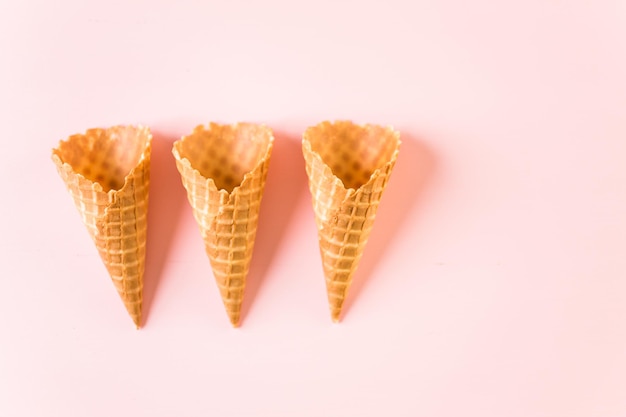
(107, 172)
(348, 166)
(223, 169)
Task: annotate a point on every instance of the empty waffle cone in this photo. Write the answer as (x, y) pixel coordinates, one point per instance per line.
(107, 172)
(348, 166)
(223, 169)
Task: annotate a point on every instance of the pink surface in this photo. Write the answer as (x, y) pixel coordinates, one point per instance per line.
(494, 283)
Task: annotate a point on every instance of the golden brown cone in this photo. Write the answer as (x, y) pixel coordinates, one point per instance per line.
(223, 169)
(107, 172)
(348, 166)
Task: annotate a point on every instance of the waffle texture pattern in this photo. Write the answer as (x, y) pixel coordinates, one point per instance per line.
(348, 166)
(224, 169)
(107, 173)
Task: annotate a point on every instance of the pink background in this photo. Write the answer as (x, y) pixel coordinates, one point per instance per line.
(494, 283)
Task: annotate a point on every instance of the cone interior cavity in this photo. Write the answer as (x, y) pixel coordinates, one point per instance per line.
(223, 169)
(107, 172)
(351, 151)
(348, 167)
(105, 156)
(224, 154)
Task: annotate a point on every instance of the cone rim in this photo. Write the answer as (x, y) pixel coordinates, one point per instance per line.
(248, 176)
(306, 143)
(95, 185)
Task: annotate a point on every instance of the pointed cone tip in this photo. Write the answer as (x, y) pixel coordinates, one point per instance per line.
(137, 321)
(234, 320)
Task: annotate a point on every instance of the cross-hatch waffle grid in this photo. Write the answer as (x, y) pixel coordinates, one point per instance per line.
(227, 221)
(344, 216)
(117, 219)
